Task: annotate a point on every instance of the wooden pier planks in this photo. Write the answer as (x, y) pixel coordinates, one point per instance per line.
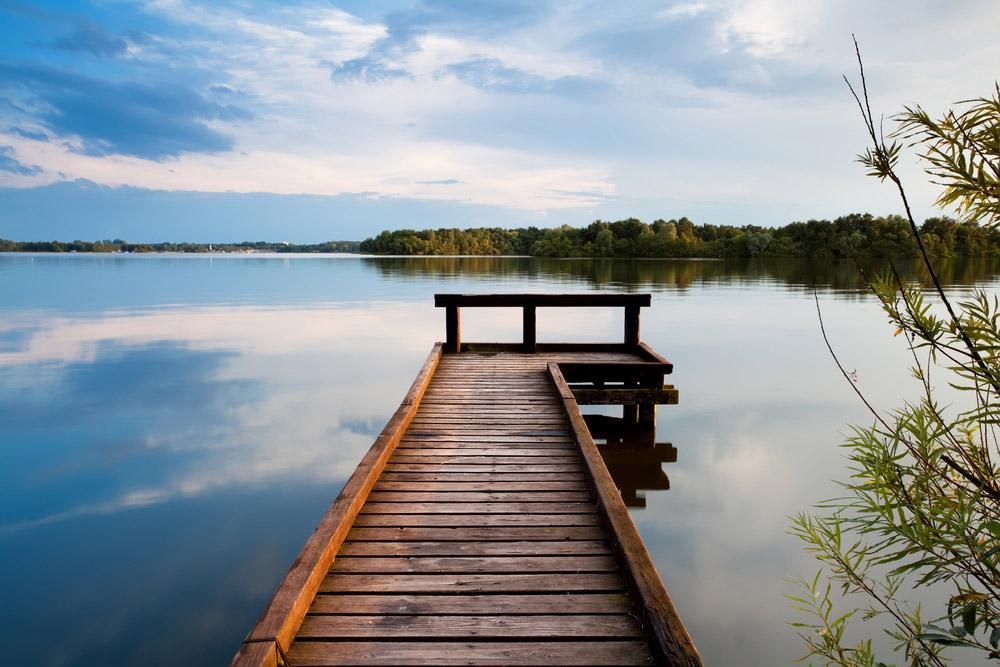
(482, 536)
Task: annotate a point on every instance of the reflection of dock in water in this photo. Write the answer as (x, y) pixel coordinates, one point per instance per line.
(632, 455)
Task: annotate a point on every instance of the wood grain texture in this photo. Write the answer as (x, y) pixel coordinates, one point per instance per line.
(568, 654)
(443, 520)
(476, 548)
(420, 628)
(505, 496)
(473, 583)
(475, 533)
(528, 605)
(477, 509)
(487, 485)
(476, 564)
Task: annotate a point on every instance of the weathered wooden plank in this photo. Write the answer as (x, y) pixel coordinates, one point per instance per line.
(483, 389)
(469, 401)
(421, 436)
(571, 474)
(568, 653)
(655, 356)
(497, 381)
(627, 396)
(478, 508)
(473, 583)
(537, 449)
(437, 466)
(490, 433)
(672, 640)
(613, 371)
(258, 653)
(441, 520)
(500, 422)
(520, 548)
(547, 453)
(506, 426)
(455, 496)
(283, 614)
(417, 605)
(483, 486)
(472, 533)
(552, 351)
(420, 628)
(482, 460)
(395, 565)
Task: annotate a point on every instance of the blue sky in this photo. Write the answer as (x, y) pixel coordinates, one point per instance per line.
(189, 120)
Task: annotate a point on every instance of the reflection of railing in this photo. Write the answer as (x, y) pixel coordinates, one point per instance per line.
(632, 455)
(453, 303)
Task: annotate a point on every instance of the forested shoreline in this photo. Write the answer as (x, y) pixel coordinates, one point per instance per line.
(855, 235)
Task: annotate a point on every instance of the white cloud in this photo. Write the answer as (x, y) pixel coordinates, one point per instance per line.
(683, 10)
(769, 28)
(398, 168)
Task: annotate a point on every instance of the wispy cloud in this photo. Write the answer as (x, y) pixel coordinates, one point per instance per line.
(10, 164)
(142, 120)
(492, 75)
(88, 36)
(443, 181)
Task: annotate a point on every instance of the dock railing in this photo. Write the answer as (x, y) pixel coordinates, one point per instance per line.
(529, 303)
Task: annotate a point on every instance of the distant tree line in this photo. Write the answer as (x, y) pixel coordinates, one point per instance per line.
(118, 245)
(855, 235)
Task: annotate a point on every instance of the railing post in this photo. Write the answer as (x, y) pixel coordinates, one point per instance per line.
(453, 329)
(632, 325)
(528, 339)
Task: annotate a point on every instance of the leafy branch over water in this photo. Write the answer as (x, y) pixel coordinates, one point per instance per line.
(921, 508)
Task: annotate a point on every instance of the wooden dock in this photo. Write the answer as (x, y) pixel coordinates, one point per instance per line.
(483, 527)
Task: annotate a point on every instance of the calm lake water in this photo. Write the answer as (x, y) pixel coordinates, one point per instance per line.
(172, 428)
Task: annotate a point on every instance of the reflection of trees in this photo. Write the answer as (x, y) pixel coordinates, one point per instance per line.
(633, 457)
(838, 275)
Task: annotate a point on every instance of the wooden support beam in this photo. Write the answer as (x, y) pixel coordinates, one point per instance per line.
(647, 412)
(666, 395)
(632, 325)
(643, 372)
(630, 413)
(453, 329)
(528, 340)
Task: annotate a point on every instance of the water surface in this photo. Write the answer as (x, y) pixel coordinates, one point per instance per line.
(172, 427)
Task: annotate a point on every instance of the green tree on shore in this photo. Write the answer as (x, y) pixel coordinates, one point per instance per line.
(854, 235)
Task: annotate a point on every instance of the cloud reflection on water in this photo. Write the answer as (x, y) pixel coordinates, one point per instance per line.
(130, 410)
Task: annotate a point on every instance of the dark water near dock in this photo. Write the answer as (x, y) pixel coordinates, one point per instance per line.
(172, 427)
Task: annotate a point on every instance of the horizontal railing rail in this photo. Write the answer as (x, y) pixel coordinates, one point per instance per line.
(453, 303)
